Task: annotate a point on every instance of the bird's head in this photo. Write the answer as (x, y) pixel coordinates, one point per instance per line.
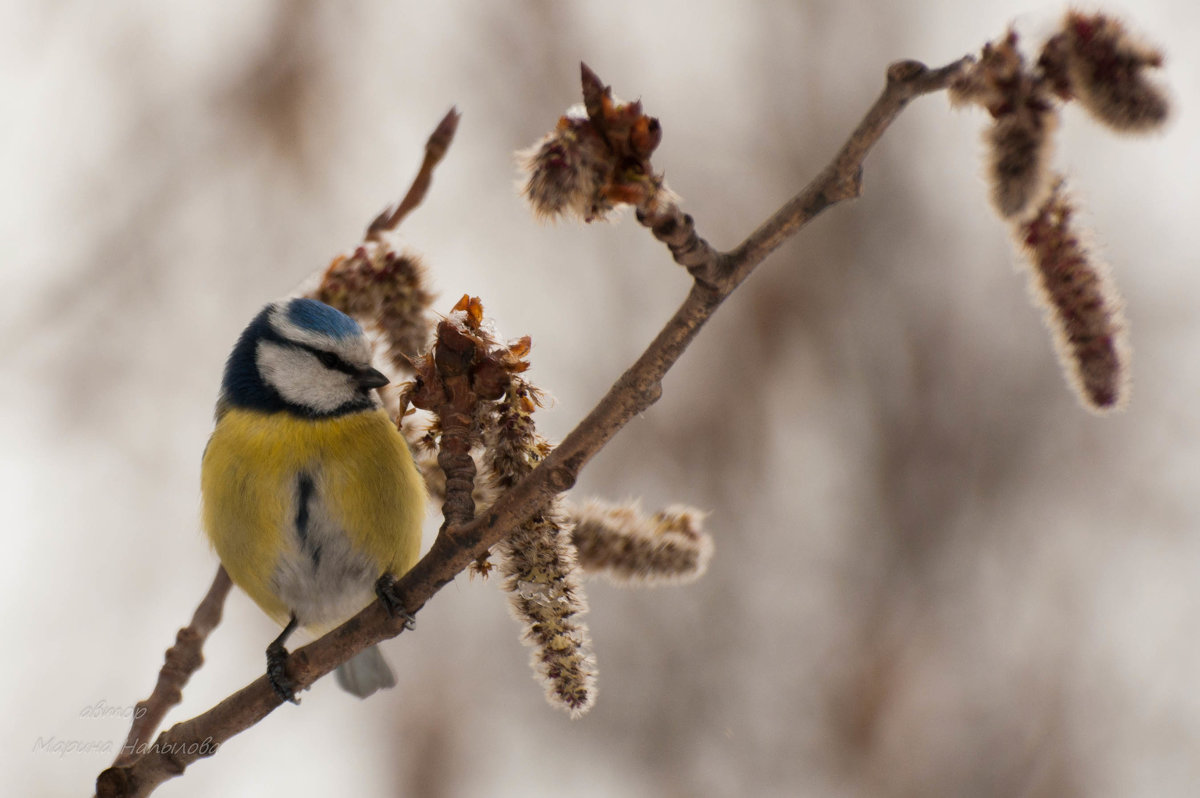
(303, 357)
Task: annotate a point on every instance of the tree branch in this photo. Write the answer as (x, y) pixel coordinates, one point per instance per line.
(716, 276)
(182, 660)
(842, 179)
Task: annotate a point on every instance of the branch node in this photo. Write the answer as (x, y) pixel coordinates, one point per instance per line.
(649, 395)
(113, 781)
(906, 71)
(561, 479)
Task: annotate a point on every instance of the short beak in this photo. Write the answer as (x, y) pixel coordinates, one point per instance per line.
(372, 378)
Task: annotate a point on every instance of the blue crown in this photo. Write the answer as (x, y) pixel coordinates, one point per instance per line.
(309, 314)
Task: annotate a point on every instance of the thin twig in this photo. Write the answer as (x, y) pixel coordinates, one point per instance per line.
(842, 179)
(182, 660)
(677, 230)
(435, 150)
(717, 275)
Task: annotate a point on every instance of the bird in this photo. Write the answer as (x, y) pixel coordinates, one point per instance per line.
(309, 492)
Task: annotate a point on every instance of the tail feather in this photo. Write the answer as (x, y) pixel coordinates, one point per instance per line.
(367, 672)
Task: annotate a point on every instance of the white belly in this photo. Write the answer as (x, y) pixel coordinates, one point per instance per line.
(321, 577)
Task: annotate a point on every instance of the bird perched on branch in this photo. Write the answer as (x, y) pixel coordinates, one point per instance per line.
(311, 498)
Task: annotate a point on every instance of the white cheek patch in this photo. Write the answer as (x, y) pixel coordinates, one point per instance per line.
(301, 380)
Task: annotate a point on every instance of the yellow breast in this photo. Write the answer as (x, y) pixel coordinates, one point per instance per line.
(363, 472)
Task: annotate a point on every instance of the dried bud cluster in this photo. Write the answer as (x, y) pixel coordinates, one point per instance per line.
(1092, 59)
(466, 359)
(595, 159)
(472, 385)
(630, 547)
(1082, 307)
(457, 382)
(385, 290)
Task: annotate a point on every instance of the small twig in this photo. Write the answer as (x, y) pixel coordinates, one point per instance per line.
(717, 275)
(842, 179)
(435, 149)
(677, 230)
(182, 660)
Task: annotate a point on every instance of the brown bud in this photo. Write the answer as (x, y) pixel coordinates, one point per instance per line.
(646, 136)
(590, 165)
(490, 378)
(455, 350)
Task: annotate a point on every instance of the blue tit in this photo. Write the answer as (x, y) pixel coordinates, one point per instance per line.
(310, 494)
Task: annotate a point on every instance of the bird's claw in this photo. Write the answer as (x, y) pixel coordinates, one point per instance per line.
(385, 590)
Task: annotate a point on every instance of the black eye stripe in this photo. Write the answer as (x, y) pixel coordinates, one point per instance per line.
(329, 359)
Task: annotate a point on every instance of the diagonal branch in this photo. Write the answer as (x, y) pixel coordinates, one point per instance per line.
(716, 276)
(182, 660)
(842, 179)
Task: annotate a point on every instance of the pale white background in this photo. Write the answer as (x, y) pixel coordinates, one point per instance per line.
(935, 574)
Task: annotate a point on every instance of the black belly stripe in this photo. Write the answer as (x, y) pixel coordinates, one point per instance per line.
(304, 492)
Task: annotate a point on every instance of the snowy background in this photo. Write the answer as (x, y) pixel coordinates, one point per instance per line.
(935, 574)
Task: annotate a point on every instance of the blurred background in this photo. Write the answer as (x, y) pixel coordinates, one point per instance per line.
(935, 574)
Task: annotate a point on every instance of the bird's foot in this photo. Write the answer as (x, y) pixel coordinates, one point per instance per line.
(385, 589)
(277, 658)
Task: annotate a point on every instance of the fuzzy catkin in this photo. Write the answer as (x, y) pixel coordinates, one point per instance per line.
(628, 546)
(1107, 69)
(1020, 140)
(566, 171)
(1082, 306)
(384, 290)
(1020, 145)
(539, 567)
